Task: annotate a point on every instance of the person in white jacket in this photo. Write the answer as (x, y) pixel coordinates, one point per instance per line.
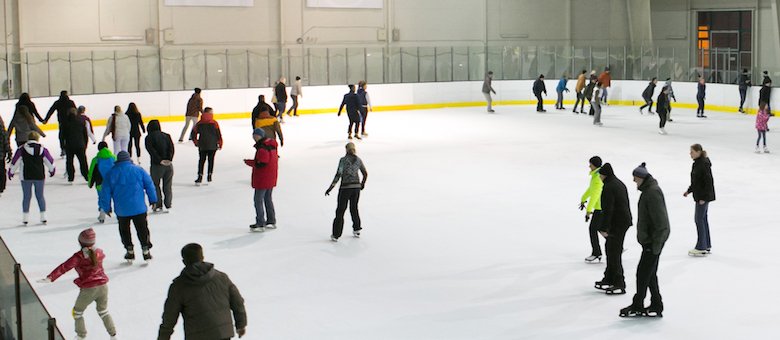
(119, 127)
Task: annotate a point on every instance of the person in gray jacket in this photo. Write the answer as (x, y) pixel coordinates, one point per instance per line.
(205, 298)
(295, 91)
(24, 123)
(487, 87)
(652, 231)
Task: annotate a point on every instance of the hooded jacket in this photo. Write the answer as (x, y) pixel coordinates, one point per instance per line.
(205, 298)
(103, 163)
(605, 79)
(649, 90)
(23, 128)
(75, 134)
(194, 105)
(265, 165)
(702, 185)
(159, 144)
(539, 87)
(61, 106)
(125, 183)
(206, 134)
(743, 80)
(119, 125)
(270, 125)
(762, 119)
(90, 275)
(652, 227)
(562, 85)
(593, 194)
(615, 207)
(33, 159)
(580, 83)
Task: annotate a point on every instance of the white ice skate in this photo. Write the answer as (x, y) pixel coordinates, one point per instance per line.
(766, 149)
(333, 238)
(592, 259)
(80, 338)
(43, 217)
(758, 149)
(661, 131)
(25, 218)
(697, 252)
(270, 226)
(356, 233)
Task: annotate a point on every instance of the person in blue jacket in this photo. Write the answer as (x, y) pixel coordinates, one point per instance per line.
(125, 184)
(561, 87)
(103, 163)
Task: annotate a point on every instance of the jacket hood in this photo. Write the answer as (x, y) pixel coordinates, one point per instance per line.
(105, 153)
(207, 117)
(606, 170)
(648, 182)
(198, 273)
(265, 115)
(703, 159)
(153, 126)
(266, 141)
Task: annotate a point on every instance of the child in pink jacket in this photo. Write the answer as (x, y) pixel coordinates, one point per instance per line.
(762, 117)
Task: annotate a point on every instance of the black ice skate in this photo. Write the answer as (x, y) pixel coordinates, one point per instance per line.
(199, 180)
(357, 232)
(334, 238)
(615, 290)
(256, 227)
(603, 285)
(130, 256)
(655, 310)
(147, 255)
(632, 311)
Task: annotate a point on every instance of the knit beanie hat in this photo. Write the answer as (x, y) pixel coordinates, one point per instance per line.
(596, 161)
(606, 170)
(122, 156)
(351, 147)
(641, 171)
(258, 132)
(102, 145)
(87, 238)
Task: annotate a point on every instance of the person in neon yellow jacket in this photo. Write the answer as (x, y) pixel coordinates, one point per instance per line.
(592, 197)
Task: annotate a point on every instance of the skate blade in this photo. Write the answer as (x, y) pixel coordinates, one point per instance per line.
(631, 315)
(618, 291)
(653, 314)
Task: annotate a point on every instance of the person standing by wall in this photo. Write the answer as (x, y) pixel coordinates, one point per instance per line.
(762, 118)
(662, 108)
(765, 95)
(606, 81)
(265, 167)
(5, 153)
(159, 145)
(670, 96)
(703, 189)
(92, 282)
(98, 170)
(352, 102)
(539, 88)
(136, 127)
(365, 105)
(34, 160)
(743, 82)
(208, 138)
(487, 87)
(74, 135)
(597, 106)
(592, 197)
(561, 87)
(194, 109)
(61, 106)
(615, 221)
(280, 89)
(652, 231)
(24, 123)
(647, 95)
(295, 91)
(349, 192)
(118, 126)
(580, 97)
(701, 94)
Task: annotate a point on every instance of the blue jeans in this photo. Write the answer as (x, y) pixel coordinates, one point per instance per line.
(604, 95)
(27, 194)
(742, 96)
(761, 133)
(702, 226)
(264, 206)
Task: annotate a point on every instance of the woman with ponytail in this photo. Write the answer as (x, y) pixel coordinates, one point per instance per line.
(703, 190)
(88, 263)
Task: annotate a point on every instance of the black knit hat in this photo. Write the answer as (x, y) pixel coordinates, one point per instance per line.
(641, 171)
(596, 161)
(606, 170)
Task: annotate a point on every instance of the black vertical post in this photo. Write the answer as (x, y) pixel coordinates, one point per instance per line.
(18, 296)
(52, 327)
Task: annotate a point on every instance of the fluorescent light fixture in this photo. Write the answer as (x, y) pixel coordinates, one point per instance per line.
(120, 38)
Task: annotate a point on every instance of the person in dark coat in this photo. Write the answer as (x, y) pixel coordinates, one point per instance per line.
(587, 93)
(539, 88)
(743, 82)
(352, 103)
(5, 153)
(647, 95)
(208, 138)
(61, 106)
(765, 94)
(136, 127)
(74, 134)
(615, 221)
(703, 189)
(24, 123)
(159, 145)
(261, 107)
(766, 77)
(652, 231)
(205, 298)
(701, 94)
(280, 90)
(24, 100)
(662, 108)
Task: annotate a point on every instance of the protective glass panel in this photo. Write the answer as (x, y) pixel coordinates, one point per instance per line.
(375, 65)
(563, 62)
(546, 57)
(150, 71)
(238, 69)
(512, 63)
(172, 70)
(81, 65)
(216, 69)
(617, 62)
(126, 71)
(104, 68)
(443, 64)
(409, 65)
(529, 63)
(194, 69)
(427, 64)
(477, 63)
(318, 66)
(337, 66)
(461, 64)
(259, 68)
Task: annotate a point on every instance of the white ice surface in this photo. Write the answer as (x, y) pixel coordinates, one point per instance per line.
(471, 231)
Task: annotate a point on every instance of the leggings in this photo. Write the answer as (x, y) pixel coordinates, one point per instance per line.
(580, 98)
(3, 175)
(761, 133)
(27, 194)
(701, 104)
(206, 154)
(351, 197)
(354, 119)
(363, 117)
(121, 144)
(137, 140)
(662, 116)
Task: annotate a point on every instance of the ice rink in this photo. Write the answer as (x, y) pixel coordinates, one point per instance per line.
(471, 230)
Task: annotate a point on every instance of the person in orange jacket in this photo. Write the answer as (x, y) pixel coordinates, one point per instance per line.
(605, 80)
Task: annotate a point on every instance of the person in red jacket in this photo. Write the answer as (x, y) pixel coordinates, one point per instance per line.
(88, 263)
(264, 172)
(606, 80)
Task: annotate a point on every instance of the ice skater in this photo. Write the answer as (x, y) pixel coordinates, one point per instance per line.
(74, 136)
(592, 200)
(295, 91)
(365, 105)
(92, 282)
(588, 94)
(580, 96)
(352, 102)
(136, 128)
(349, 191)
(35, 162)
(194, 109)
(670, 96)
(24, 100)
(268, 123)
(82, 116)
(258, 110)
(606, 81)
(24, 123)
(118, 126)
(265, 167)
(662, 108)
(744, 83)
(701, 94)
(61, 106)
(615, 221)
(647, 95)
(487, 87)
(208, 138)
(539, 88)
(762, 118)
(703, 189)
(280, 91)
(5, 153)
(559, 89)
(159, 145)
(98, 170)
(765, 95)
(596, 105)
(652, 231)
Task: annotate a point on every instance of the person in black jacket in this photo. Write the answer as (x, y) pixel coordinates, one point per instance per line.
(743, 81)
(766, 77)
(261, 107)
(662, 108)
(208, 138)
(159, 145)
(701, 94)
(352, 102)
(539, 88)
(205, 298)
(136, 127)
(281, 97)
(74, 135)
(24, 100)
(647, 95)
(652, 231)
(765, 94)
(615, 221)
(5, 153)
(703, 189)
(61, 106)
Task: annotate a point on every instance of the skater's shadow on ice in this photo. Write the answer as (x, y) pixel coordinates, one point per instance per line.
(240, 241)
(56, 229)
(347, 248)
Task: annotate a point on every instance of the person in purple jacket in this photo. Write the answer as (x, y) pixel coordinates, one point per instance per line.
(31, 158)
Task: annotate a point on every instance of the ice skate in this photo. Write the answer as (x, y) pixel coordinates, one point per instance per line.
(358, 136)
(640, 111)
(602, 285)
(615, 290)
(655, 310)
(208, 179)
(697, 252)
(758, 149)
(766, 149)
(662, 131)
(632, 311)
(43, 217)
(703, 116)
(102, 216)
(741, 111)
(592, 259)
(491, 111)
(349, 136)
(130, 256)
(334, 238)
(25, 218)
(199, 181)
(598, 124)
(147, 255)
(113, 337)
(357, 232)
(364, 134)
(270, 226)
(70, 183)
(257, 228)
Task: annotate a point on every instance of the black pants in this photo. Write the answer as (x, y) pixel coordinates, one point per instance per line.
(614, 247)
(294, 107)
(539, 103)
(163, 173)
(62, 140)
(363, 117)
(3, 177)
(280, 108)
(580, 98)
(595, 222)
(700, 100)
(662, 116)
(81, 154)
(648, 102)
(141, 228)
(137, 140)
(646, 277)
(354, 119)
(742, 96)
(206, 154)
(350, 196)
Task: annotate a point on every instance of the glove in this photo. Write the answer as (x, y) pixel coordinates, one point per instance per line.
(587, 218)
(582, 205)
(44, 280)
(241, 332)
(327, 192)
(10, 174)
(249, 162)
(362, 186)
(51, 174)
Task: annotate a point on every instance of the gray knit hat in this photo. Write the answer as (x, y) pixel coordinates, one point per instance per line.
(641, 171)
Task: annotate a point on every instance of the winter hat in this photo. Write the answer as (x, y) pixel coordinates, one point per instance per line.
(606, 170)
(606, 68)
(596, 161)
(102, 145)
(641, 171)
(87, 238)
(593, 72)
(122, 156)
(258, 132)
(351, 147)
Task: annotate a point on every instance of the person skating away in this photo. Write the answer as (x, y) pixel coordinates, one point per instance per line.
(35, 163)
(701, 94)
(487, 88)
(280, 90)
(538, 89)
(652, 231)
(703, 189)
(352, 102)
(194, 109)
(24, 123)
(349, 191)
(205, 298)
(136, 128)
(265, 167)
(75, 137)
(744, 83)
(24, 100)
(270, 126)
(125, 185)
(5, 154)
(580, 96)
(670, 96)
(559, 89)
(588, 94)
(98, 169)
(61, 106)
(258, 110)
(606, 81)
(82, 116)
(766, 77)
(276, 104)
(295, 91)
(365, 105)
(591, 202)
(118, 126)
(159, 145)
(765, 94)
(762, 119)
(92, 283)
(647, 95)
(597, 105)
(662, 108)
(615, 221)
(208, 138)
